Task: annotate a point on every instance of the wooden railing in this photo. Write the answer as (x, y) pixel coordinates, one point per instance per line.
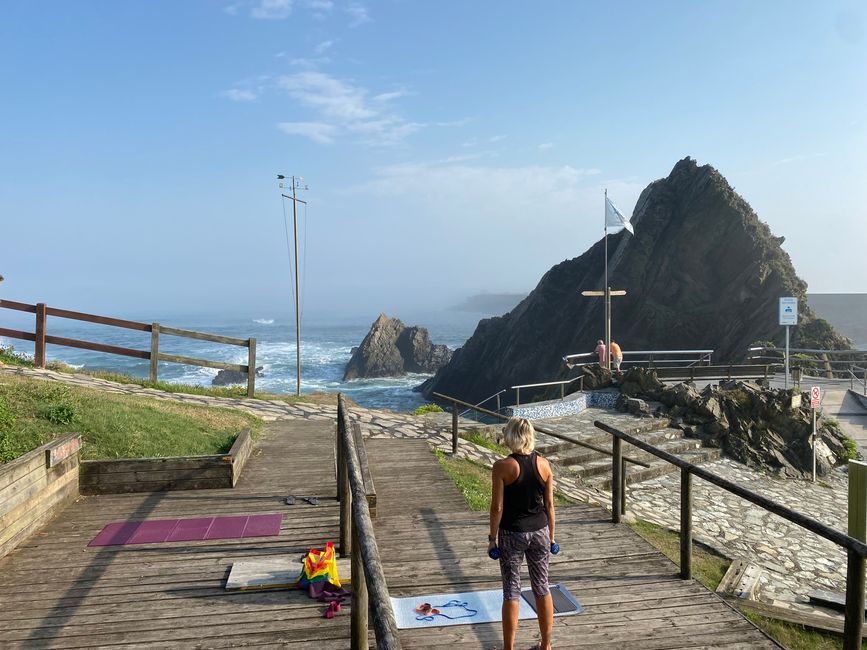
(856, 549)
(40, 338)
(369, 589)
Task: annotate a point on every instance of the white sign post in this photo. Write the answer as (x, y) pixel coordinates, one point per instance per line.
(788, 317)
(815, 402)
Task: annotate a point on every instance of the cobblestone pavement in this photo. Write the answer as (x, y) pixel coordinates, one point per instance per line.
(793, 560)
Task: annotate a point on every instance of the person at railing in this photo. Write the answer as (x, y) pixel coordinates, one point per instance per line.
(600, 350)
(522, 522)
(616, 356)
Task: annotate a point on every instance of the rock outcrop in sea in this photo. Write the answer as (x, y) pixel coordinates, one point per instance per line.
(391, 349)
(701, 272)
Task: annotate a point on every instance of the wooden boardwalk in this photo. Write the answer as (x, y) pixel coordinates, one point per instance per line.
(55, 592)
(432, 543)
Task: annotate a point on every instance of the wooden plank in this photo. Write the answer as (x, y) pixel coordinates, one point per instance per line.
(190, 361)
(155, 486)
(21, 466)
(18, 306)
(369, 488)
(17, 334)
(97, 347)
(36, 512)
(218, 472)
(168, 464)
(251, 368)
(100, 320)
(203, 336)
(155, 352)
(275, 573)
(240, 453)
(39, 341)
(62, 448)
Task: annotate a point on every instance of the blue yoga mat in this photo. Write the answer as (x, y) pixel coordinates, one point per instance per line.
(474, 607)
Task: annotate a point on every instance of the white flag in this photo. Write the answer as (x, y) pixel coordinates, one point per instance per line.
(614, 218)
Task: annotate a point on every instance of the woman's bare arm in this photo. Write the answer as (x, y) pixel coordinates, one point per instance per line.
(496, 499)
(549, 494)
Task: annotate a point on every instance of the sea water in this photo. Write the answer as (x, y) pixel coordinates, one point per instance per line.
(326, 344)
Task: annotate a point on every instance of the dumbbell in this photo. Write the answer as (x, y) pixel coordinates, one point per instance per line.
(494, 553)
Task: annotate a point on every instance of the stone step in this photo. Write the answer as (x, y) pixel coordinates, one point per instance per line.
(576, 455)
(601, 465)
(548, 445)
(657, 468)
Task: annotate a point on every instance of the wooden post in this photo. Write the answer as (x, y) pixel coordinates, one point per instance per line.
(498, 401)
(155, 351)
(454, 427)
(562, 391)
(616, 484)
(853, 626)
(39, 345)
(251, 368)
(623, 487)
(343, 488)
(685, 524)
(517, 397)
(359, 614)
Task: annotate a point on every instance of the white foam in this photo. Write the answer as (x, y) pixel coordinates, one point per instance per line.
(264, 321)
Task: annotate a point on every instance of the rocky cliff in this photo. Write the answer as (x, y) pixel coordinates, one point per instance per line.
(701, 272)
(392, 349)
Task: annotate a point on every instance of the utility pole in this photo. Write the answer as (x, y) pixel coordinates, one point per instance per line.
(296, 184)
(607, 293)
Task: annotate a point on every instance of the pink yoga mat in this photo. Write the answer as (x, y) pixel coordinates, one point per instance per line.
(157, 531)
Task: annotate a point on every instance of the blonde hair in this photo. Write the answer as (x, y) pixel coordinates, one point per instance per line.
(519, 435)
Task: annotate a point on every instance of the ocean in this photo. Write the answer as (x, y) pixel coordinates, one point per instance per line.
(326, 344)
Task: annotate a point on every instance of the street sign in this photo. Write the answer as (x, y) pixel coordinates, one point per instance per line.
(815, 397)
(788, 311)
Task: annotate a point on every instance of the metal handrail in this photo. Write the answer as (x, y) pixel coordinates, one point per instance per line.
(806, 350)
(456, 402)
(368, 577)
(561, 384)
(497, 394)
(857, 550)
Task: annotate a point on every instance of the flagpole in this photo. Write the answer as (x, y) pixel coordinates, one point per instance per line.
(607, 291)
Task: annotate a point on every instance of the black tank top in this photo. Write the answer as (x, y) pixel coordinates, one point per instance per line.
(524, 499)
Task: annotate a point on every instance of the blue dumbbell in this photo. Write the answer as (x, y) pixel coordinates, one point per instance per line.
(555, 548)
(494, 553)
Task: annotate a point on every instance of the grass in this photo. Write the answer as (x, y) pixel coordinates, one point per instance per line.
(428, 408)
(474, 482)
(33, 412)
(709, 568)
(482, 440)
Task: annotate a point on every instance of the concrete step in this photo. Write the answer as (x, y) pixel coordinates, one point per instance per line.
(658, 467)
(548, 445)
(601, 465)
(576, 455)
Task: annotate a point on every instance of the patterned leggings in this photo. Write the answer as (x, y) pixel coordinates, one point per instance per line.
(513, 546)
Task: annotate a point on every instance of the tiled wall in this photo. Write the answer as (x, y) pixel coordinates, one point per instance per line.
(574, 403)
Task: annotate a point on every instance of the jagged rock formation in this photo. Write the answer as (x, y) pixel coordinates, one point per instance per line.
(757, 426)
(391, 349)
(701, 272)
(228, 377)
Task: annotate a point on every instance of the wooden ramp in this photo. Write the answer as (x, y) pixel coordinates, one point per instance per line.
(432, 543)
(57, 592)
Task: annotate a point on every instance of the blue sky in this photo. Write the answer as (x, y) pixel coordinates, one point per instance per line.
(450, 148)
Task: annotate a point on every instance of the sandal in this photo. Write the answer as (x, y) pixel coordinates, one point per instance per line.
(290, 500)
(313, 501)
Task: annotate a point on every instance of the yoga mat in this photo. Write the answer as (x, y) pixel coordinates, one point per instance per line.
(157, 531)
(475, 607)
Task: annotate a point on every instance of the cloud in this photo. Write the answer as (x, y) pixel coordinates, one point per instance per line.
(240, 95)
(546, 145)
(316, 131)
(358, 15)
(323, 47)
(272, 9)
(497, 138)
(797, 158)
(345, 109)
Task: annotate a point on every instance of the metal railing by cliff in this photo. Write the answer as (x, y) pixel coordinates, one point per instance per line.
(856, 549)
(40, 338)
(488, 399)
(561, 384)
(369, 588)
(652, 358)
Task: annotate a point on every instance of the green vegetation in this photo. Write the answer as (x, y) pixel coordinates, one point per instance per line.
(33, 412)
(709, 569)
(851, 452)
(474, 482)
(482, 440)
(428, 408)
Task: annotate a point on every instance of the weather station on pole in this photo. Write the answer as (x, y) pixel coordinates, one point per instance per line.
(295, 183)
(615, 219)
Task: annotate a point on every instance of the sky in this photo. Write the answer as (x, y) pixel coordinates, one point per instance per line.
(449, 148)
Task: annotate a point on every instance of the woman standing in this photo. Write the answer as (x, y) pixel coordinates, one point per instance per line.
(522, 522)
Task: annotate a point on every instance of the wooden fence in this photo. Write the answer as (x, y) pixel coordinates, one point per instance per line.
(40, 338)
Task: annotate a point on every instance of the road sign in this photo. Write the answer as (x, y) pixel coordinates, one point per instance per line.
(815, 397)
(788, 311)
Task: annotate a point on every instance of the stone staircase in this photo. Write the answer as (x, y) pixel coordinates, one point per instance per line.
(594, 468)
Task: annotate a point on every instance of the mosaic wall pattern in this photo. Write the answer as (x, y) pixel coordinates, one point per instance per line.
(574, 403)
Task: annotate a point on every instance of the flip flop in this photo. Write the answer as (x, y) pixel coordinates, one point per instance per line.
(313, 501)
(290, 500)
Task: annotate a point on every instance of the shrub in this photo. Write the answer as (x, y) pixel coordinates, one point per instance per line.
(58, 413)
(7, 415)
(427, 408)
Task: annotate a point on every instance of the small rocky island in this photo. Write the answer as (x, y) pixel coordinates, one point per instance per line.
(391, 349)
